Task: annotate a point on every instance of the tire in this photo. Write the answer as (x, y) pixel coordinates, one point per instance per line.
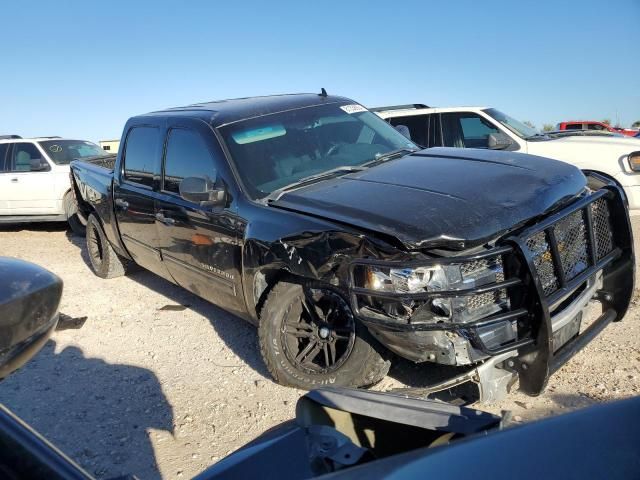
(105, 261)
(71, 211)
(288, 329)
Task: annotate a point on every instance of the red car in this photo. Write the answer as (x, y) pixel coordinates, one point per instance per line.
(592, 125)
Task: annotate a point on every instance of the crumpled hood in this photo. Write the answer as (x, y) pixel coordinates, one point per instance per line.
(442, 197)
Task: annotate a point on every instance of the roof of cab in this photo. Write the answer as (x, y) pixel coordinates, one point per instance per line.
(223, 112)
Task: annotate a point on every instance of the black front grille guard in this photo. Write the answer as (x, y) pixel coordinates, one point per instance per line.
(537, 360)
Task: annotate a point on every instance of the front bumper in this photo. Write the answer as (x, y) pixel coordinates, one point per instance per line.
(545, 297)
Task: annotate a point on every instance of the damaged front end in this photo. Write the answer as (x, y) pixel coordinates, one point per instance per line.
(517, 310)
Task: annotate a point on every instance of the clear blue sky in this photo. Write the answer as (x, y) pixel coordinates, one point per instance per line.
(81, 68)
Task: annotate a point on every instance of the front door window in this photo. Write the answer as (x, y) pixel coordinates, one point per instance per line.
(466, 130)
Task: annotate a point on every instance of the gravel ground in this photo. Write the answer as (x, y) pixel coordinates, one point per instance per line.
(163, 393)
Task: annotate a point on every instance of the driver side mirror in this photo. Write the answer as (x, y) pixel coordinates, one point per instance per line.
(39, 165)
(498, 141)
(204, 191)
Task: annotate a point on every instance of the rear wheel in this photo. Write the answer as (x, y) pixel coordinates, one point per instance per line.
(71, 211)
(309, 337)
(105, 261)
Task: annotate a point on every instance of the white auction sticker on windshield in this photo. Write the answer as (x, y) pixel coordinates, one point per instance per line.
(353, 108)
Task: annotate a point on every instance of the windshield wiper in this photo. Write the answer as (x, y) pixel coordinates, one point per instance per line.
(334, 172)
(388, 156)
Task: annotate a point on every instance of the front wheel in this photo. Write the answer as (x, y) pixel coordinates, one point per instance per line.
(309, 337)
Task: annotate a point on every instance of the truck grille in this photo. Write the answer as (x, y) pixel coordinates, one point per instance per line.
(477, 302)
(574, 250)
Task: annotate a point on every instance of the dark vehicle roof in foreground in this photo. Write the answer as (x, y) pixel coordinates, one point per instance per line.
(595, 442)
(222, 112)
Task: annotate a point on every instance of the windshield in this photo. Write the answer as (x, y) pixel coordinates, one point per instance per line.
(62, 152)
(277, 150)
(516, 126)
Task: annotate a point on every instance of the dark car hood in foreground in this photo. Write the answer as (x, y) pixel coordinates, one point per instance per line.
(442, 197)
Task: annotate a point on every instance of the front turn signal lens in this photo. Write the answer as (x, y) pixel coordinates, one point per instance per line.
(634, 161)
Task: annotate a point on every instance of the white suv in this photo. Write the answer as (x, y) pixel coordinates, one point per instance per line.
(481, 127)
(34, 178)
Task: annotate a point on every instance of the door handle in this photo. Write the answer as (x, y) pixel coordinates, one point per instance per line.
(121, 204)
(166, 220)
(14, 180)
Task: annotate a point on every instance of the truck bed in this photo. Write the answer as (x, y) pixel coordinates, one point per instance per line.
(105, 161)
(92, 179)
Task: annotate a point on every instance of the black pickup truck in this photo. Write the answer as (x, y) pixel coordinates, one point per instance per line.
(342, 240)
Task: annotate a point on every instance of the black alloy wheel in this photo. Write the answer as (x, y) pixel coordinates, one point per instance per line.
(318, 334)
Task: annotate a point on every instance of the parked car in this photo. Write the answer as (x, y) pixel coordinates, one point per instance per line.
(344, 432)
(629, 132)
(341, 240)
(593, 125)
(617, 158)
(34, 179)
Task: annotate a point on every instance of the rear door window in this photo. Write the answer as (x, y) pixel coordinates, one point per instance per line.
(573, 126)
(418, 126)
(187, 155)
(141, 153)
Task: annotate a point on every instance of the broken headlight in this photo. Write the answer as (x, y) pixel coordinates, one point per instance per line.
(434, 278)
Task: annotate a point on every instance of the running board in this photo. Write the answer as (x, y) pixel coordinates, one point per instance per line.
(32, 218)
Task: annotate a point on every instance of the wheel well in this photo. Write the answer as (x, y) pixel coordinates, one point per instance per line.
(607, 176)
(263, 283)
(266, 280)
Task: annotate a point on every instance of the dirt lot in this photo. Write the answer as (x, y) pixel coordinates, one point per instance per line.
(165, 393)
